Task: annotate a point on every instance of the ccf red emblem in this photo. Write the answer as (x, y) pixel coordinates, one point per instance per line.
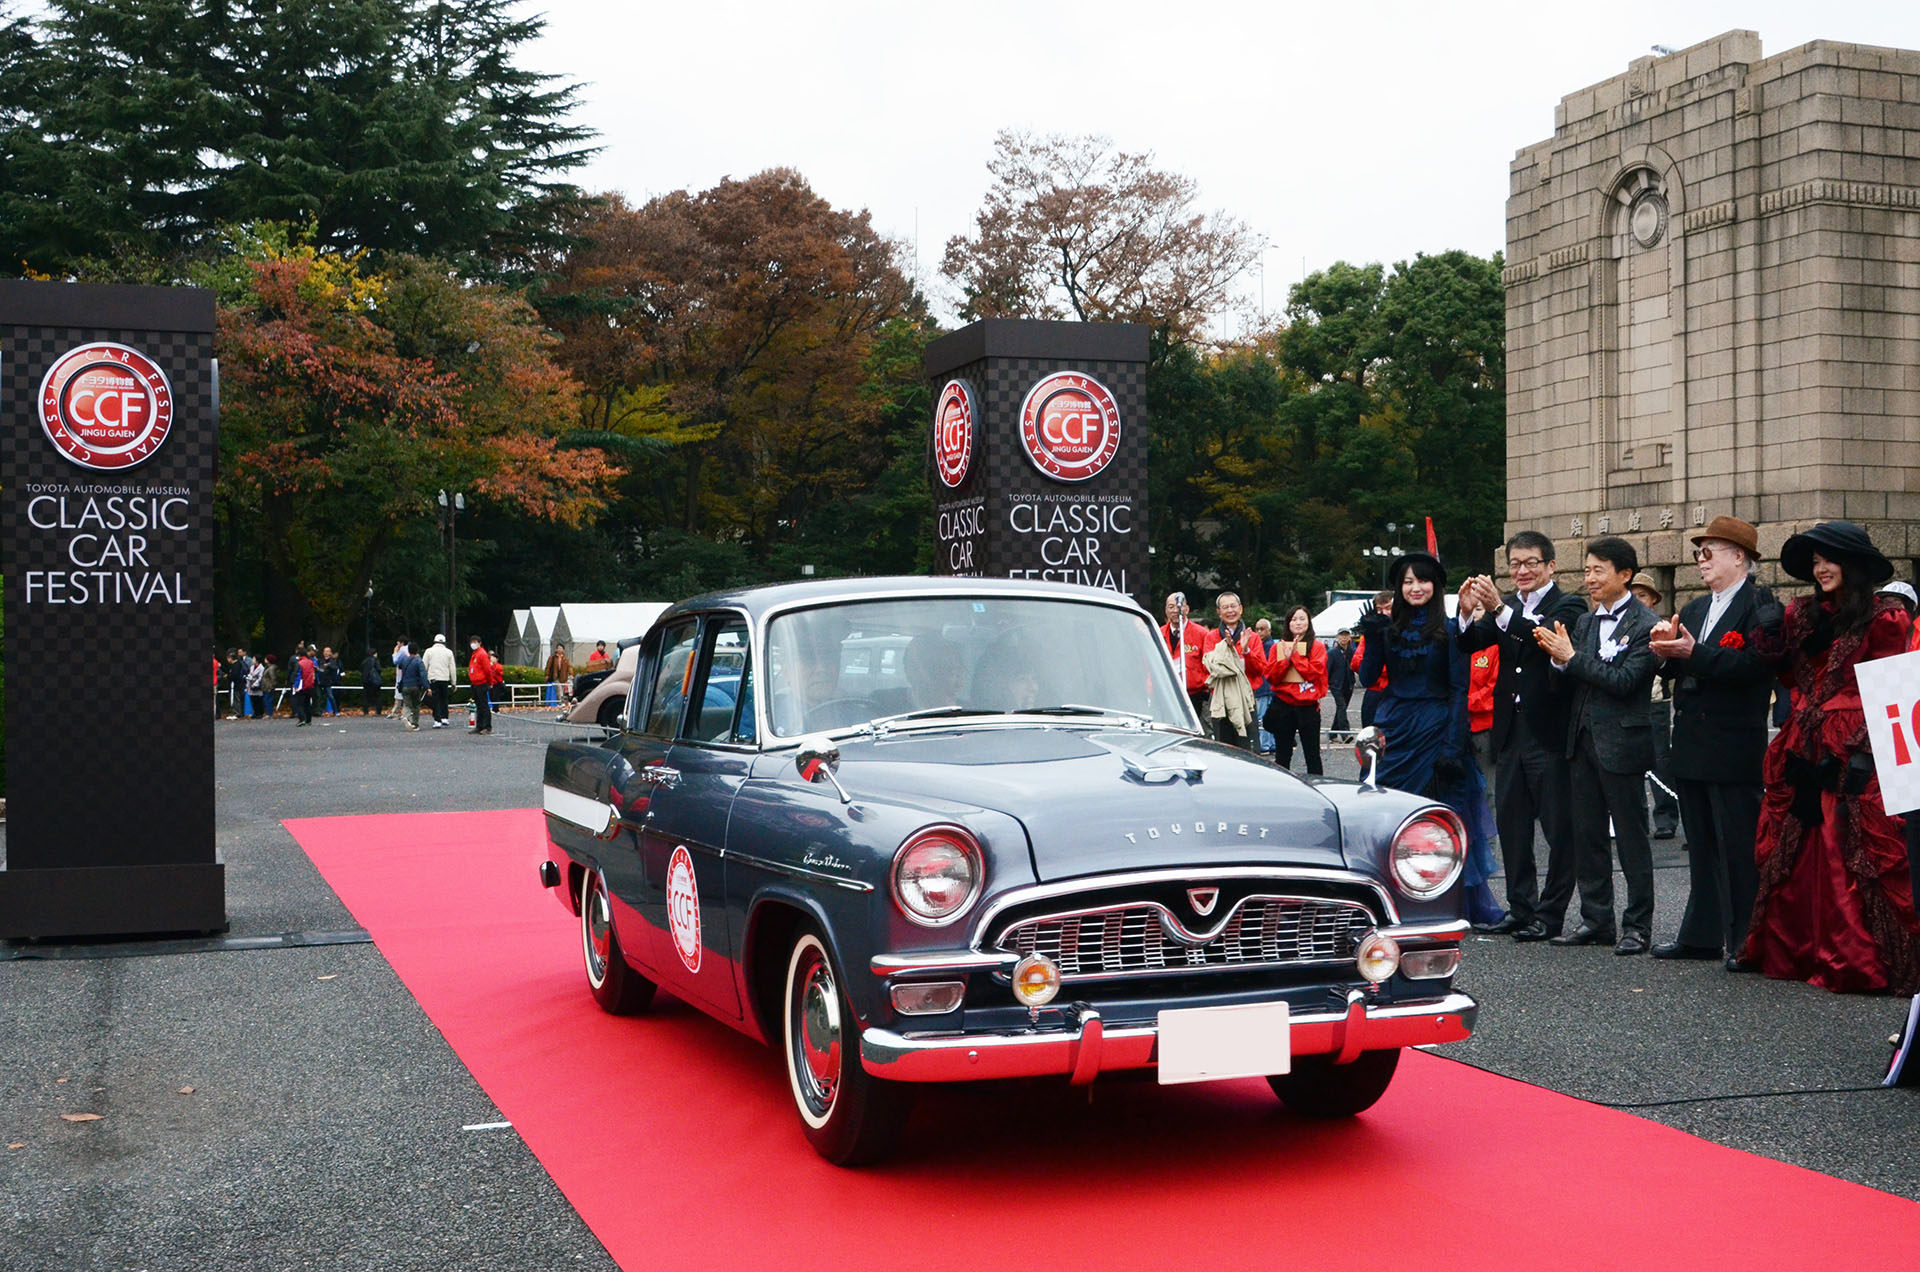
(106, 406)
(953, 433)
(1070, 426)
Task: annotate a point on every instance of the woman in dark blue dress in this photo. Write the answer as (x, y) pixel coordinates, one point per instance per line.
(1423, 712)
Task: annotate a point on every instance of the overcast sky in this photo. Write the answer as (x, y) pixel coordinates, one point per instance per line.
(1357, 131)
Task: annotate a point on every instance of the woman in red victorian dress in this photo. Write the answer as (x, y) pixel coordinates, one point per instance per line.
(1836, 905)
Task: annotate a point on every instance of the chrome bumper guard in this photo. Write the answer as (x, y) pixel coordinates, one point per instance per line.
(1090, 1049)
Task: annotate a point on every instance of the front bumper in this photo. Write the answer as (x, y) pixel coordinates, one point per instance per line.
(1082, 1052)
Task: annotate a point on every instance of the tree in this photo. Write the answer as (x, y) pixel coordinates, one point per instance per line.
(351, 395)
(135, 130)
(730, 333)
(1072, 227)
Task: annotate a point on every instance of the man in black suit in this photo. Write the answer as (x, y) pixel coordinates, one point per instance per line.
(1605, 666)
(1720, 692)
(1529, 733)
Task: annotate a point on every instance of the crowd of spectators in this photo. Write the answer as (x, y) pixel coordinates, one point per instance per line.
(1540, 713)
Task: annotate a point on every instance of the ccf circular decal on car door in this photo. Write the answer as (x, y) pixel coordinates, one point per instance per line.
(683, 908)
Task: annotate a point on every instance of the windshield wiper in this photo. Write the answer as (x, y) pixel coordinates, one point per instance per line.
(1081, 709)
(931, 713)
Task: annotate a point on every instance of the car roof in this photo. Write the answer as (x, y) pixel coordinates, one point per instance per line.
(759, 601)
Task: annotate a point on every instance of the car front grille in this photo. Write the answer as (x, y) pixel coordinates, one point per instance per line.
(1145, 938)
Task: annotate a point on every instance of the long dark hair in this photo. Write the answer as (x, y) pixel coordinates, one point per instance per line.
(1853, 602)
(1433, 615)
(1284, 632)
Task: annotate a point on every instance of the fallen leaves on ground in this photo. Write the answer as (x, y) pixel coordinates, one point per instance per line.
(329, 976)
(186, 1090)
(79, 1117)
(11, 1147)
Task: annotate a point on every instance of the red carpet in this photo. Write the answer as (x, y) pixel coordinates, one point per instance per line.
(674, 1138)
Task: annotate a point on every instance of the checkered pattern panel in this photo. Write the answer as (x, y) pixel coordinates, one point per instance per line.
(1002, 474)
(109, 749)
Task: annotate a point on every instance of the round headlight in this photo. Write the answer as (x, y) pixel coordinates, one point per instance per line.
(1428, 853)
(936, 875)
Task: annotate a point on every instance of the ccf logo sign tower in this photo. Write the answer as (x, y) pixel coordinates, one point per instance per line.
(1038, 453)
(108, 403)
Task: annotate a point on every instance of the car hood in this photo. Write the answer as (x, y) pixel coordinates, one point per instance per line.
(1096, 801)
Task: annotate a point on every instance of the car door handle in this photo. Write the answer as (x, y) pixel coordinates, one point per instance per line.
(662, 776)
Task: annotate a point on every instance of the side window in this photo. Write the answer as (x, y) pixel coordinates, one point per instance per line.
(671, 676)
(723, 687)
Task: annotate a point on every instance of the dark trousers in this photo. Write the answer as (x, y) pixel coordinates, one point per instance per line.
(369, 698)
(1666, 807)
(482, 709)
(1722, 820)
(1597, 796)
(1200, 700)
(1340, 724)
(1529, 788)
(1284, 720)
(303, 706)
(1369, 703)
(438, 689)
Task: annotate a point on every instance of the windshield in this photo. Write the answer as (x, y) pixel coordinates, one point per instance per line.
(842, 665)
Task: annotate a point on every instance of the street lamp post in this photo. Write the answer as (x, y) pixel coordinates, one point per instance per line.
(450, 509)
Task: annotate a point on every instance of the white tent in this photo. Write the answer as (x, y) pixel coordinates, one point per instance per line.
(513, 648)
(536, 636)
(579, 626)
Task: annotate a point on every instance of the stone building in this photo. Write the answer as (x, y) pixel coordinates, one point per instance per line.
(1713, 302)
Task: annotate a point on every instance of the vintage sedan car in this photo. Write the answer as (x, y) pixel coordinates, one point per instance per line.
(1013, 856)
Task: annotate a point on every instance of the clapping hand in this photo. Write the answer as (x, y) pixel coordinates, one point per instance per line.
(1372, 619)
(1671, 639)
(1557, 643)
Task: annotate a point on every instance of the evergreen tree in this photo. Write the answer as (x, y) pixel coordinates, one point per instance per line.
(135, 130)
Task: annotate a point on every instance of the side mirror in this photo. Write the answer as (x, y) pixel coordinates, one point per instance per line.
(1367, 745)
(817, 758)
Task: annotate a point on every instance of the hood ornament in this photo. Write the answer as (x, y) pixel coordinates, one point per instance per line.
(1367, 745)
(1203, 900)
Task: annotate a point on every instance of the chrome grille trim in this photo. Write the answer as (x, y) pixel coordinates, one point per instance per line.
(1145, 938)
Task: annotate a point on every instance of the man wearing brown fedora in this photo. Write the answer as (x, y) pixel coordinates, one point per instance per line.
(1720, 698)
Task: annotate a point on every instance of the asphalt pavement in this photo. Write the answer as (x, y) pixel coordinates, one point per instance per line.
(326, 1123)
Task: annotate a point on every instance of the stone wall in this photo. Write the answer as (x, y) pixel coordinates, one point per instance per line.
(1713, 303)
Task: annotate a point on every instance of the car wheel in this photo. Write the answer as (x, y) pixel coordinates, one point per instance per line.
(610, 712)
(618, 989)
(849, 1116)
(1317, 1087)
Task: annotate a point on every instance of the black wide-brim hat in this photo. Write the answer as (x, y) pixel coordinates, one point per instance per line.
(1397, 570)
(1837, 541)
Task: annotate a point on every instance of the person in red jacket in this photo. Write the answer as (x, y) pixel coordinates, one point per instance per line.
(1298, 676)
(480, 684)
(1253, 657)
(1187, 642)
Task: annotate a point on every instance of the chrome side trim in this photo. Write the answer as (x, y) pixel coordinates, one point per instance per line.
(595, 816)
(801, 872)
(1132, 878)
(966, 961)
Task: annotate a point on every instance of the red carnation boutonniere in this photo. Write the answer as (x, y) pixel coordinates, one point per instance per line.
(1733, 640)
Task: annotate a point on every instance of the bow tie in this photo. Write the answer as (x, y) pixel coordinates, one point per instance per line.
(1608, 618)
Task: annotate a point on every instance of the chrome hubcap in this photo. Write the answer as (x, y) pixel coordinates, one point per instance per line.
(599, 924)
(818, 1035)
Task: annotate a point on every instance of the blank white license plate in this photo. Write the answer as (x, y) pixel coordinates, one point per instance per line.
(1206, 1044)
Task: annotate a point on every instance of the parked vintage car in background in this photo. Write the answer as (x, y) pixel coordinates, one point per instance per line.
(931, 830)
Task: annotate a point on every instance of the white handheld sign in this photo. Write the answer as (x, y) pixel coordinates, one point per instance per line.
(1890, 694)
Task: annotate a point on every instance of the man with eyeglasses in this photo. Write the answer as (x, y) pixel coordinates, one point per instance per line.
(1720, 694)
(1529, 732)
